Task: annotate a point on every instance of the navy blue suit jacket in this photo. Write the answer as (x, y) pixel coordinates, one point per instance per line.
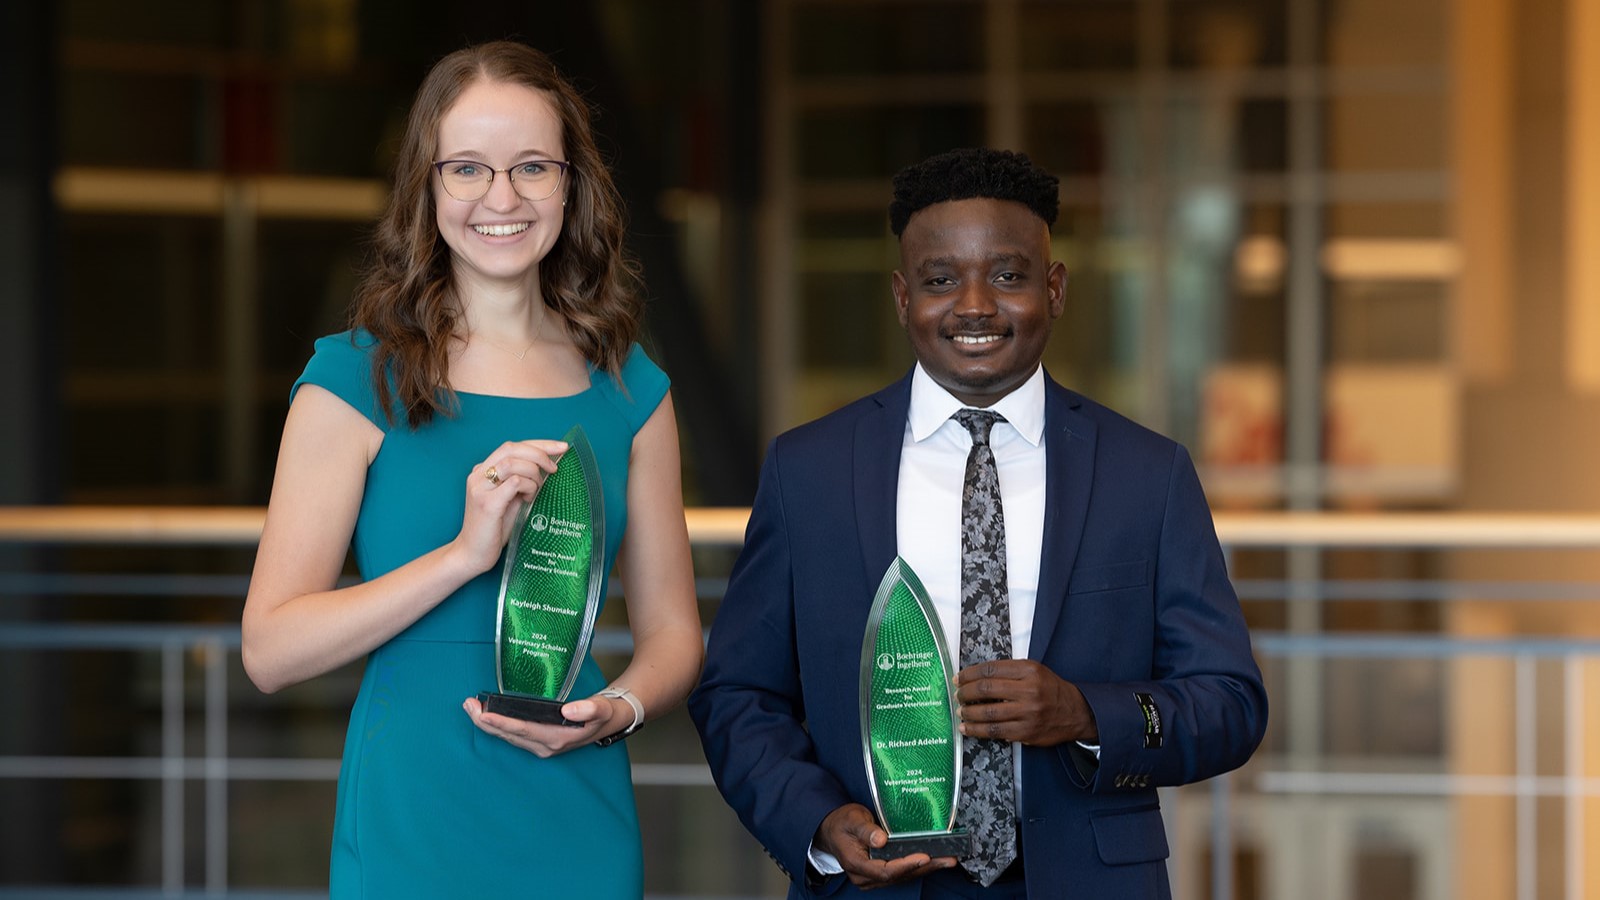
(1133, 599)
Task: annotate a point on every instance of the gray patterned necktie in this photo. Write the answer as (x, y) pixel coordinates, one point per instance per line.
(988, 802)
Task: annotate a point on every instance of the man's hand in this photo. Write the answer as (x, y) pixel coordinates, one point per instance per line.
(1020, 700)
(850, 830)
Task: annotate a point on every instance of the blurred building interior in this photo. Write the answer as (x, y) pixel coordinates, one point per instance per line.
(1345, 250)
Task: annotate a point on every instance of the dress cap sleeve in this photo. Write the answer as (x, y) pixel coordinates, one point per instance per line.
(643, 387)
(342, 365)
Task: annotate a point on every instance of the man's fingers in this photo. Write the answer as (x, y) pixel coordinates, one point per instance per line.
(1007, 669)
(984, 711)
(875, 873)
(990, 693)
(870, 834)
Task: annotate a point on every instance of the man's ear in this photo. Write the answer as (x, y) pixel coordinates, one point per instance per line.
(1056, 286)
(902, 295)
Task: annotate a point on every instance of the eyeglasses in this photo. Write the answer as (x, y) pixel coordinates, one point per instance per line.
(467, 180)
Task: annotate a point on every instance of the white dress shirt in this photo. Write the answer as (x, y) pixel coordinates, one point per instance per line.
(933, 466)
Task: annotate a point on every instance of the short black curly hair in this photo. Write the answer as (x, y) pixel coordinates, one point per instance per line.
(969, 173)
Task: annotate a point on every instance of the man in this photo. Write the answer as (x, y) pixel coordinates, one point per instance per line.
(1127, 665)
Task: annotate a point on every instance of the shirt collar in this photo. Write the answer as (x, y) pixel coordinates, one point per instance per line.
(932, 406)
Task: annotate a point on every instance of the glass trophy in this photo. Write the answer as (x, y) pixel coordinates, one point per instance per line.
(550, 590)
(909, 726)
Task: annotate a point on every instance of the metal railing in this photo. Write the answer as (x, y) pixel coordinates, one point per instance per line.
(1204, 821)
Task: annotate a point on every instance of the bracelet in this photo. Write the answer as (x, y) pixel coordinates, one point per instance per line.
(638, 715)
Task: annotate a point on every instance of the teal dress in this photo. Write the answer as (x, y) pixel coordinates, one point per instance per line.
(428, 805)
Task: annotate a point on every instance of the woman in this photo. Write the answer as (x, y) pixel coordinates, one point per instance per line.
(500, 310)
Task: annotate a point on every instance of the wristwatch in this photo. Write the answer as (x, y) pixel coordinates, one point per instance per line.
(638, 715)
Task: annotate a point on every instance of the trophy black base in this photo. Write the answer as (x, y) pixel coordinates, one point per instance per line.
(956, 843)
(528, 709)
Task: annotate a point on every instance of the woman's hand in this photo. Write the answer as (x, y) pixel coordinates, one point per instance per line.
(496, 490)
(595, 715)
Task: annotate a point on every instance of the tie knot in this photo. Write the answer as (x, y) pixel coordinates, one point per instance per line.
(978, 422)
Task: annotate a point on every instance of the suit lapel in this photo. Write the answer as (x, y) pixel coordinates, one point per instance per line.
(1069, 445)
(879, 435)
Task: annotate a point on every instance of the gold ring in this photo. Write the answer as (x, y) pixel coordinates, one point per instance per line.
(492, 474)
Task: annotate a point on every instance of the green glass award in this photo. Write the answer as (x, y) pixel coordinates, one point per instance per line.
(550, 590)
(909, 733)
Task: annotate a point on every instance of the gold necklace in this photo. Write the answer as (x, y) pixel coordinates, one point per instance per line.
(524, 353)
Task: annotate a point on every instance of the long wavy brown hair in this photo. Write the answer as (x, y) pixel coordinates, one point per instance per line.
(406, 298)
